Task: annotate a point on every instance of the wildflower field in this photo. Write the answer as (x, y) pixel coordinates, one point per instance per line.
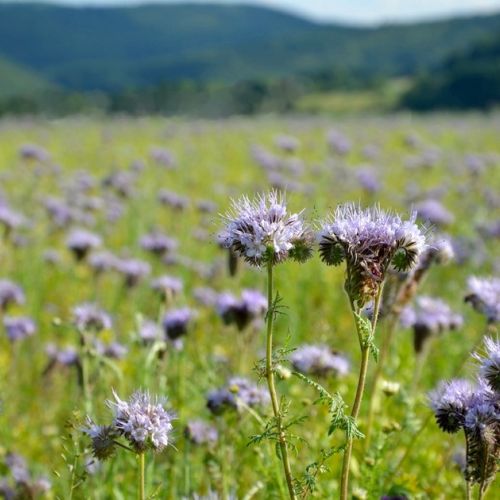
(145, 352)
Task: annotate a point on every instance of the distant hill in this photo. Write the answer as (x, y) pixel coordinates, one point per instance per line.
(115, 48)
(467, 79)
(17, 80)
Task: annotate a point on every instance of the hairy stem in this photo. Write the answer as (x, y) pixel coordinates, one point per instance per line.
(141, 489)
(365, 354)
(271, 384)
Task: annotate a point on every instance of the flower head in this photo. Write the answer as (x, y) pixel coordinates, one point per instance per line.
(176, 322)
(89, 316)
(484, 295)
(103, 439)
(262, 231)
(319, 360)
(18, 328)
(81, 241)
(10, 293)
(369, 241)
(143, 421)
(201, 432)
(450, 402)
(241, 312)
(489, 369)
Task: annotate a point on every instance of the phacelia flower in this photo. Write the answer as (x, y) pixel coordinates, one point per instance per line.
(261, 231)
(489, 369)
(484, 295)
(370, 241)
(81, 241)
(450, 402)
(241, 312)
(133, 270)
(18, 328)
(90, 316)
(167, 286)
(10, 293)
(143, 421)
(176, 322)
(434, 212)
(158, 243)
(429, 316)
(319, 360)
(201, 432)
(103, 439)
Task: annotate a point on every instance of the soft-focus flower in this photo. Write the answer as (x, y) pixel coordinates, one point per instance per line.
(429, 316)
(434, 212)
(18, 328)
(133, 270)
(143, 421)
(262, 231)
(10, 293)
(101, 262)
(370, 241)
(103, 439)
(319, 360)
(251, 306)
(176, 322)
(173, 200)
(158, 243)
(81, 241)
(90, 316)
(167, 286)
(484, 295)
(201, 432)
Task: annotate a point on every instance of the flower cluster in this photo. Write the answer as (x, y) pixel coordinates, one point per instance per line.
(142, 420)
(484, 295)
(251, 306)
(319, 360)
(370, 241)
(459, 404)
(262, 231)
(429, 316)
(176, 322)
(10, 293)
(90, 316)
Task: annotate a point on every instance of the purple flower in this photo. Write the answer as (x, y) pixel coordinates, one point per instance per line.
(113, 350)
(205, 296)
(219, 400)
(319, 360)
(67, 356)
(133, 270)
(10, 219)
(103, 439)
(242, 312)
(287, 143)
(368, 179)
(172, 200)
(263, 231)
(143, 421)
(81, 241)
(167, 286)
(176, 322)
(121, 182)
(338, 142)
(201, 432)
(102, 262)
(18, 328)
(10, 293)
(434, 212)
(157, 243)
(34, 152)
(484, 295)
(370, 241)
(247, 392)
(162, 156)
(450, 402)
(489, 369)
(90, 317)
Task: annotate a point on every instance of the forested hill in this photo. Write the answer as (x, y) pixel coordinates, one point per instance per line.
(114, 48)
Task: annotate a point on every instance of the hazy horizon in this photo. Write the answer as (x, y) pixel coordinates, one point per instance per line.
(348, 11)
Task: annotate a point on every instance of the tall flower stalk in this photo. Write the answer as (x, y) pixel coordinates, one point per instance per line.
(370, 242)
(265, 234)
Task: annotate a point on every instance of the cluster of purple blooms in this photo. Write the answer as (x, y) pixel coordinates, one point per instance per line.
(236, 394)
(20, 483)
(243, 311)
(474, 408)
(200, 432)
(319, 360)
(142, 420)
(484, 295)
(428, 317)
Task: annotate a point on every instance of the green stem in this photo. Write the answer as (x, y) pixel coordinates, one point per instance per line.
(85, 373)
(365, 354)
(271, 384)
(141, 489)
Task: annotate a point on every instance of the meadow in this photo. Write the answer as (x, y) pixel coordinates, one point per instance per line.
(150, 192)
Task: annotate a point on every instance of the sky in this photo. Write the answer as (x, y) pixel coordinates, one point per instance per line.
(354, 11)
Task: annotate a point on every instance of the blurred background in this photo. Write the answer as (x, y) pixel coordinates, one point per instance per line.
(268, 56)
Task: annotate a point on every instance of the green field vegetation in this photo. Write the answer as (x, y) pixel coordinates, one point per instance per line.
(41, 414)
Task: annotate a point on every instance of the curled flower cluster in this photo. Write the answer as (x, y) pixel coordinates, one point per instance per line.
(90, 316)
(10, 293)
(251, 306)
(81, 241)
(142, 420)
(370, 241)
(262, 231)
(319, 360)
(429, 316)
(484, 295)
(176, 322)
(459, 404)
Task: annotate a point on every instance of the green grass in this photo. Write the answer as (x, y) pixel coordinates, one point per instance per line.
(214, 162)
